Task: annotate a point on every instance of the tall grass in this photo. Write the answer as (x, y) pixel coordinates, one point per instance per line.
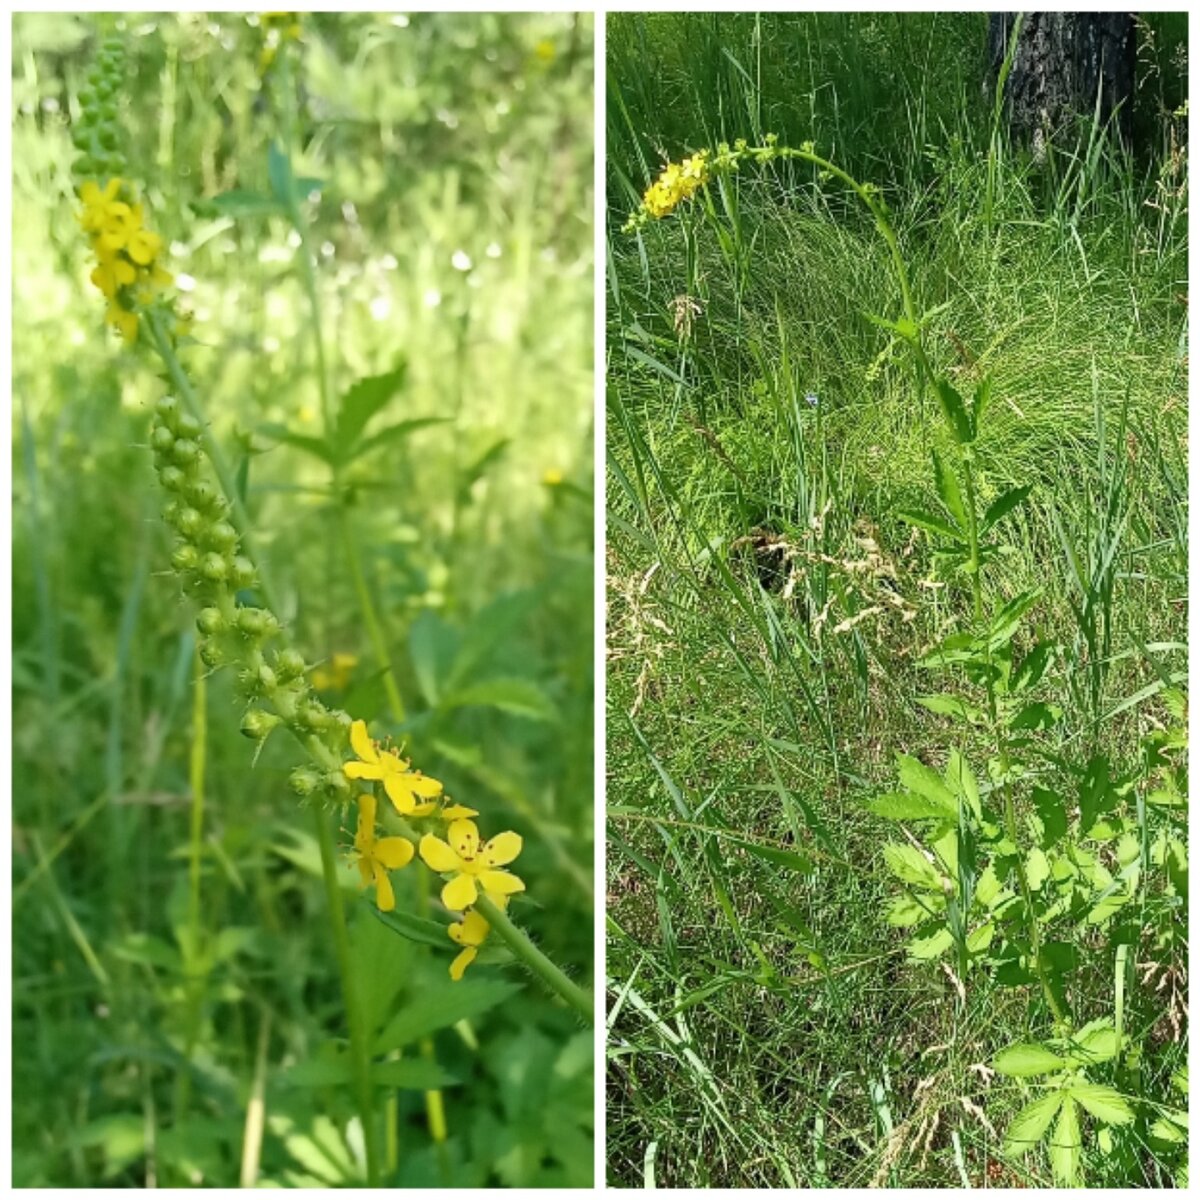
(767, 606)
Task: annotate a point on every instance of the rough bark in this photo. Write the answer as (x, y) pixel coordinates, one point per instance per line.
(1062, 59)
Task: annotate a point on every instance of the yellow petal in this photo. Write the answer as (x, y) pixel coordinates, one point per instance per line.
(464, 837)
(474, 929)
(462, 962)
(501, 849)
(90, 194)
(394, 852)
(455, 812)
(437, 856)
(362, 744)
(385, 898)
(366, 812)
(364, 869)
(423, 810)
(500, 883)
(360, 770)
(423, 785)
(459, 893)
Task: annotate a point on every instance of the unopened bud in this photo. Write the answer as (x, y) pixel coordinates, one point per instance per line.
(257, 724)
(189, 522)
(162, 439)
(185, 558)
(172, 478)
(214, 568)
(185, 452)
(211, 654)
(187, 426)
(203, 495)
(167, 409)
(242, 575)
(210, 621)
(305, 781)
(289, 665)
(222, 536)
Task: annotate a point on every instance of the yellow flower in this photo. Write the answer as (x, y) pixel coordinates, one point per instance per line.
(143, 247)
(552, 477)
(470, 933)
(378, 856)
(402, 785)
(678, 182)
(96, 201)
(454, 812)
(337, 674)
(112, 274)
(544, 51)
(472, 860)
(123, 321)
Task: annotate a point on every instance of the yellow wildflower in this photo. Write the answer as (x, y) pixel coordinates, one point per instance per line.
(402, 785)
(552, 477)
(455, 812)
(470, 933)
(378, 856)
(337, 674)
(678, 182)
(471, 860)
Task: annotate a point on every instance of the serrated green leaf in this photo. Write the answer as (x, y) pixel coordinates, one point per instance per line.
(1026, 1059)
(955, 411)
(1104, 1103)
(1036, 716)
(904, 911)
(415, 929)
(946, 483)
(1033, 666)
(909, 865)
(362, 401)
(952, 706)
(317, 447)
(395, 433)
(906, 806)
(1096, 1042)
(517, 696)
(930, 523)
(1066, 1145)
(1037, 869)
(1003, 505)
(926, 949)
(925, 781)
(1008, 619)
(1029, 1126)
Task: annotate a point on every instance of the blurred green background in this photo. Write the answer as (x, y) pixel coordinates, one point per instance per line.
(453, 217)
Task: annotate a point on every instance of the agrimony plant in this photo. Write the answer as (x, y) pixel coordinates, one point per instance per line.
(401, 817)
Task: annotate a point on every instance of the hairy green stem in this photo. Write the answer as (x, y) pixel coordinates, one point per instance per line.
(360, 1049)
(532, 958)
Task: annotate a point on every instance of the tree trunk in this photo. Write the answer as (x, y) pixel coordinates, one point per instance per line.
(1062, 59)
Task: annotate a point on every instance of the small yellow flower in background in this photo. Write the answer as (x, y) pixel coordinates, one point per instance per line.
(378, 856)
(471, 860)
(544, 51)
(470, 933)
(552, 477)
(402, 785)
(336, 674)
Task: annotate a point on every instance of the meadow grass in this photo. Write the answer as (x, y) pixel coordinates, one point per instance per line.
(176, 1002)
(765, 1027)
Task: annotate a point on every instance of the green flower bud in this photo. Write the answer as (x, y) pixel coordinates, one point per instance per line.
(305, 781)
(170, 514)
(314, 715)
(342, 719)
(242, 575)
(185, 452)
(162, 439)
(211, 654)
(80, 138)
(289, 665)
(185, 558)
(266, 679)
(214, 568)
(108, 138)
(85, 167)
(172, 478)
(167, 410)
(202, 495)
(190, 522)
(257, 724)
(187, 426)
(210, 621)
(250, 620)
(86, 98)
(222, 536)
